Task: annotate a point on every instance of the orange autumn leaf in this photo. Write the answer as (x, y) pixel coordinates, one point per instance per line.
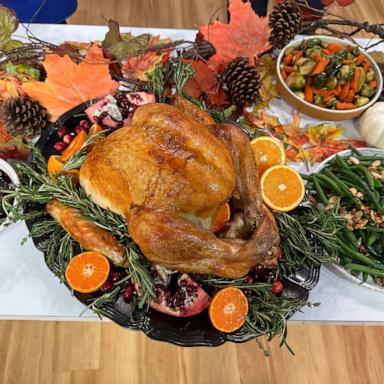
(246, 35)
(69, 84)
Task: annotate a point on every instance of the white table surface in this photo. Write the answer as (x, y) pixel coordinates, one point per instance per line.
(28, 290)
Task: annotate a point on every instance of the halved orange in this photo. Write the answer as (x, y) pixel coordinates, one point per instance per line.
(268, 152)
(222, 217)
(75, 146)
(54, 164)
(228, 309)
(87, 272)
(282, 188)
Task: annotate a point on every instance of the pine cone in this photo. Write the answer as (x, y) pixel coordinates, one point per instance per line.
(202, 49)
(23, 116)
(242, 81)
(285, 21)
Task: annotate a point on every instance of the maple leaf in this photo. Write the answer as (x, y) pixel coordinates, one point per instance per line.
(14, 149)
(246, 35)
(204, 84)
(69, 84)
(343, 3)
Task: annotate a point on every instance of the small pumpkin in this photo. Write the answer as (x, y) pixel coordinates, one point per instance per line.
(372, 125)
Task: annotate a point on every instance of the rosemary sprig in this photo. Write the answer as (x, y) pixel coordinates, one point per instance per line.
(182, 72)
(156, 83)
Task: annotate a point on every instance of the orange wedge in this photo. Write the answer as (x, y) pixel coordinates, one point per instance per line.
(54, 164)
(282, 188)
(87, 272)
(222, 217)
(95, 128)
(74, 147)
(228, 309)
(268, 152)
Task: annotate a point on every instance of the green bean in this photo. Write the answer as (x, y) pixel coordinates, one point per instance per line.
(344, 189)
(349, 237)
(364, 171)
(373, 252)
(371, 158)
(378, 183)
(364, 269)
(330, 183)
(374, 229)
(365, 277)
(355, 151)
(371, 238)
(341, 162)
(320, 193)
(306, 177)
(357, 255)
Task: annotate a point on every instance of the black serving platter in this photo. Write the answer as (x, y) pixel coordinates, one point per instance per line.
(192, 331)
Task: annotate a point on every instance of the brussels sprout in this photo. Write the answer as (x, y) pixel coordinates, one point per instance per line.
(312, 52)
(289, 50)
(319, 81)
(318, 100)
(300, 95)
(346, 72)
(313, 42)
(307, 67)
(295, 81)
(331, 102)
(356, 51)
(360, 101)
(367, 91)
(361, 79)
(369, 75)
(331, 83)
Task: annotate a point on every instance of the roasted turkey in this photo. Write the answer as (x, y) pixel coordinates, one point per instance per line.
(167, 174)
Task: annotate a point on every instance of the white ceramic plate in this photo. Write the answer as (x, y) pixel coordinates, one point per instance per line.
(337, 269)
(6, 168)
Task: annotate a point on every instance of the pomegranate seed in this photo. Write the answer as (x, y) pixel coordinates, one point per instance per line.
(67, 138)
(60, 146)
(107, 286)
(62, 131)
(280, 254)
(277, 287)
(249, 279)
(78, 129)
(115, 276)
(128, 292)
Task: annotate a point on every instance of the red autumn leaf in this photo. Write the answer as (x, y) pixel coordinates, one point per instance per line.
(204, 84)
(246, 35)
(69, 84)
(343, 3)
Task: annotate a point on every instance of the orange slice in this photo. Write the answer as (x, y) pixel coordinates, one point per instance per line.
(222, 217)
(268, 152)
(228, 309)
(282, 188)
(74, 147)
(87, 272)
(54, 164)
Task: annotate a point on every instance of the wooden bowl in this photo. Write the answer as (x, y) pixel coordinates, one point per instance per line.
(312, 110)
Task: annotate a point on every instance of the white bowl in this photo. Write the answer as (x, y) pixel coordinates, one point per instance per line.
(11, 173)
(338, 269)
(313, 110)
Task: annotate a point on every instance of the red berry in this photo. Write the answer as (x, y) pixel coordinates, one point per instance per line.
(62, 131)
(78, 129)
(107, 286)
(128, 292)
(84, 124)
(259, 268)
(249, 279)
(280, 254)
(67, 138)
(116, 276)
(60, 146)
(277, 287)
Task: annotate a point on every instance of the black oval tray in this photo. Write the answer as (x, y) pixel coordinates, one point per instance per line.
(192, 331)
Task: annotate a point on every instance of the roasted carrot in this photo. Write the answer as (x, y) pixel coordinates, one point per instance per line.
(373, 83)
(345, 106)
(317, 57)
(327, 51)
(298, 55)
(344, 90)
(337, 89)
(355, 79)
(288, 59)
(284, 74)
(359, 59)
(308, 93)
(350, 96)
(320, 67)
(327, 98)
(334, 47)
(366, 65)
(288, 69)
(347, 62)
(323, 92)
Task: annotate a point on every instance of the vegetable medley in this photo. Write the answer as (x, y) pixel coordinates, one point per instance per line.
(329, 75)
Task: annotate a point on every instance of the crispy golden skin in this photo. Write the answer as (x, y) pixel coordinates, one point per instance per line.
(167, 174)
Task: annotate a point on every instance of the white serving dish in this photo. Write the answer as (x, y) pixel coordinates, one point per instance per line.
(7, 168)
(337, 269)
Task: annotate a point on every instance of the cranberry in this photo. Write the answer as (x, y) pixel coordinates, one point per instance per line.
(128, 292)
(107, 286)
(60, 146)
(277, 287)
(67, 138)
(249, 279)
(78, 129)
(116, 276)
(84, 124)
(280, 254)
(62, 131)
(259, 268)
